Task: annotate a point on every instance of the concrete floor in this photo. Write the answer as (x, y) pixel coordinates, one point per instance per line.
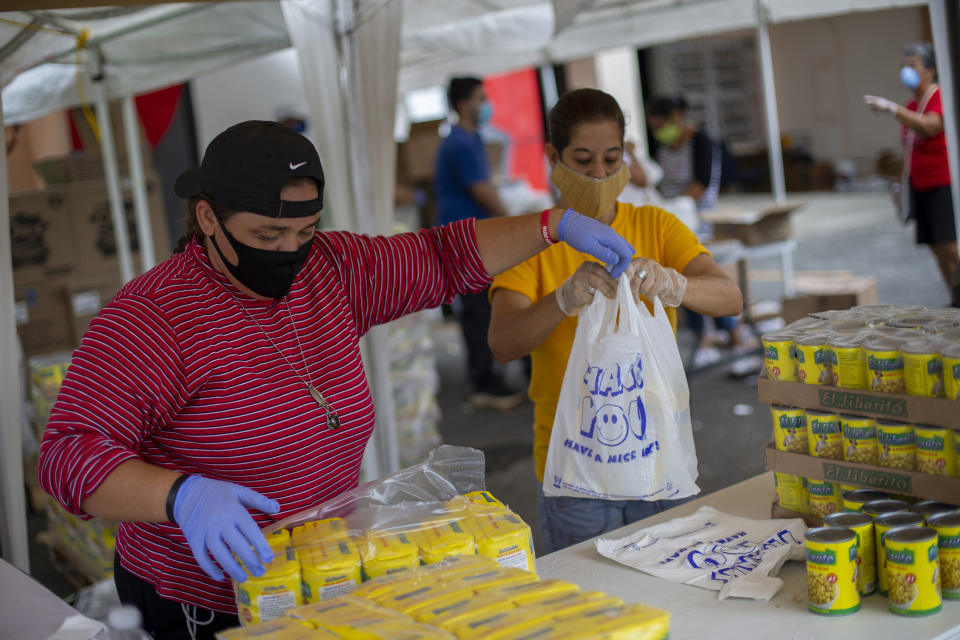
(852, 231)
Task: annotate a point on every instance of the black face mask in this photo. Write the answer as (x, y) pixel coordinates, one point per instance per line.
(267, 273)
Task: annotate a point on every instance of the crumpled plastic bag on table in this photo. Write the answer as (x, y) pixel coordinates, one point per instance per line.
(738, 557)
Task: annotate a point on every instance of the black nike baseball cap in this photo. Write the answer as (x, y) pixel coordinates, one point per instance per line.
(246, 166)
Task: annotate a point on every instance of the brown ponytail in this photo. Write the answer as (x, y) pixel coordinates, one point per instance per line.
(222, 211)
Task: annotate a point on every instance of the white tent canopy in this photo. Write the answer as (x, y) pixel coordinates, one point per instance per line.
(354, 55)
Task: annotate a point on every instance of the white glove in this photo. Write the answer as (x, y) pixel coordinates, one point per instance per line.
(578, 289)
(648, 278)
(876, 103)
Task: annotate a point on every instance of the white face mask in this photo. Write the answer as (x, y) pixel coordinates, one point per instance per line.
(589, 196)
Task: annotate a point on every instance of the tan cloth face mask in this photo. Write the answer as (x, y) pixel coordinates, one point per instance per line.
(586, 195)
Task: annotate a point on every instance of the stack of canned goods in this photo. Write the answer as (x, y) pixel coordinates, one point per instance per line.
(911, 554)
(909, 350)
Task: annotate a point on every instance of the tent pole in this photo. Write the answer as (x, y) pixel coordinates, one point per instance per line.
(109, 153)
(770, 104)
(939, 25)
(13, 523)
(548, 82)
(131, 130)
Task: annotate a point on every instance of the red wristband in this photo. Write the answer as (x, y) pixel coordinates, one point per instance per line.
(545, 227)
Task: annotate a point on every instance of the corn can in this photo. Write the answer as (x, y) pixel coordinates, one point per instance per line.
(951, 372)
(825, 439)
(862, 525)
(856, 499)
(789, 429)
(791, 493)
(931, 508)
(913, 569)
(780, 355)
(936, 453)
(831, 571)
(897, 445)
(271, 595)
(884, 365)
(947, 526)
(923, 368)
(815, 360)
(824, 498)
(859, 439)
(851, 367)
(885, 523)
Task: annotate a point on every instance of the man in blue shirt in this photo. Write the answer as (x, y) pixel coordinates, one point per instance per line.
(464, 190)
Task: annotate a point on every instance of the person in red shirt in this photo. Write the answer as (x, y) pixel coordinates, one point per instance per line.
(925, 156)
(223, 389)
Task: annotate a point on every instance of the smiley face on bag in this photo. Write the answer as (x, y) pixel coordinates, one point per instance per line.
(611, 425)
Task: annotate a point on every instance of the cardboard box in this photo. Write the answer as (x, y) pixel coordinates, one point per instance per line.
(891, 406)
(85, 299)
(778, 512)
(43, 317)
(80, 166)
(40, 238)
(416, 156)
(913, 483)
(752, 227)
(824, 292)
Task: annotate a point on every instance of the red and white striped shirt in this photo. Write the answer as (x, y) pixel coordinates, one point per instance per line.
(175, 373)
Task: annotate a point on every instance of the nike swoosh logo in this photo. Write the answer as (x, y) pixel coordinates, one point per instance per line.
(297, 166)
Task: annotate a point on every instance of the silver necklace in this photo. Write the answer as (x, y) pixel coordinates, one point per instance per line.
(333, 421)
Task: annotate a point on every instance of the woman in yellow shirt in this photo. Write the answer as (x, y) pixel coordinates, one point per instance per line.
(535, 304)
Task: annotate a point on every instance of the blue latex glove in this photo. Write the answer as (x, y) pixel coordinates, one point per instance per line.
(214, 519)
(599, 240)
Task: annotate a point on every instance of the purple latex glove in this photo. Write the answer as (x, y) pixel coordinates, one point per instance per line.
(592, 236)
(214, 519)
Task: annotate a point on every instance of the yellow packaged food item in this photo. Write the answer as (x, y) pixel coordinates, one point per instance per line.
(503, 537)
(329, 568)
(521, 594)
(335, 528)
(831, 571)
(856, 499)
(278, 629)
(779, 355)
(383, 584)
(825, 439)
(913, 571)
(272, 594)
(386, 552)
(532, 615)
(499, 577)
(409, 631)
(851, 366)
(951, 371)
(789, 429)
(824, 497)
(278, 540)
(815, 360)
(881, 525)
(410, 598)
(936, 453)
(862, 525)
(859, 439)
(362, 625)
(331, 609)
(923, 368)
(456, 566)
(475, 501)
(623, 622)
(439, 541)
(791, 493)
(947, 526)
(884, 365)
(458, 611)
(897, 444)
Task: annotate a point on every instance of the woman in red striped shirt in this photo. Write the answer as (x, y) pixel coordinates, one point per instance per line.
(224, 390)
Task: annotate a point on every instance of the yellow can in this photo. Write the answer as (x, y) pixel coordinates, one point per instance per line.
(272, 594)
(885, 523)
(505, 538)
(851, 367)
(825, 439)
(791, 493)
(951, 371)
(862, 525)
(815, 360)
(913, 568)
(831, 571)
(883, 506)
(947, 526)
(329, 568)
(824, 497)
(897, 444)
(931, 508)
(884, 365)
(936, 453)
(856, 499)
(789, 429)
(923, 368)
(859, 439)
(780, 355)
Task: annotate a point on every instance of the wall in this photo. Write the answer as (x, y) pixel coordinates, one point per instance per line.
(824, 67)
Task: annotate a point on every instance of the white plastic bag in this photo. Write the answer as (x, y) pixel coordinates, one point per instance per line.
(622, 429)
(714, 550)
